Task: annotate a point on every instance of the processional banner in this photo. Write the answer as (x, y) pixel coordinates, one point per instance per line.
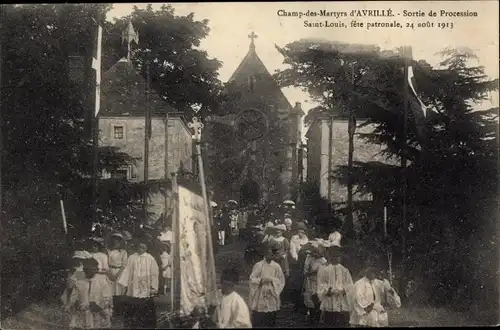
(193, 251)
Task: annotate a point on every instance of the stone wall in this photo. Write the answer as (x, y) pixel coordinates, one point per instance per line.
(180, 148)
(318, 144)
(363, 152)
(314, 152)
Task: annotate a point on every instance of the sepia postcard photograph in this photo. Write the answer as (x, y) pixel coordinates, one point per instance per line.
(189, 165)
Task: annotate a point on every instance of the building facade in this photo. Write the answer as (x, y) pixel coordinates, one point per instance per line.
(318, 156)
(122, 125)
(270, 164)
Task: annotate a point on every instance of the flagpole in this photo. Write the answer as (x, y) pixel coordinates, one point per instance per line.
(166, 171)
(1, 122)
(96, 65)
(404, 226)
(210, 280)
(147, 136)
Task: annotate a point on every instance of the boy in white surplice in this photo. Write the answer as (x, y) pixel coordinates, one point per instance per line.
(233, 311)
(368, 299)
(334, 283)
(140, 277)
(266, 284)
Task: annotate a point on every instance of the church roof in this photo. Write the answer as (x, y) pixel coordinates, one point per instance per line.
(123, 93)
(253, 82)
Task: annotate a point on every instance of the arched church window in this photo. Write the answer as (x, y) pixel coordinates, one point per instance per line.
(251, 83)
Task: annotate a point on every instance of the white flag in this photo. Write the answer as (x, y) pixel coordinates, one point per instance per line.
(96, 65)
(410, 83)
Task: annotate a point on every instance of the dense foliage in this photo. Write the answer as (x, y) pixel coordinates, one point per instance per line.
(46, 151)
(452, 170)
(181, 73)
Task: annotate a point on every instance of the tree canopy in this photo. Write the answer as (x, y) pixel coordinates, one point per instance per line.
(181, 73)
(46, 150)
(452, 180)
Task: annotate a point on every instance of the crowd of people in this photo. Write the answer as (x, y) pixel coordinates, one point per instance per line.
(308, 275)
(118, 278)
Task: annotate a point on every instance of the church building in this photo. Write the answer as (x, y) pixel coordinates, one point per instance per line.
(253, 150)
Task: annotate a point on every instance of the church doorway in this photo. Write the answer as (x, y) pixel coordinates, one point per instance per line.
(249, 192)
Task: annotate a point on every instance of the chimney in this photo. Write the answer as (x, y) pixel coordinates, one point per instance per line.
(298, 106)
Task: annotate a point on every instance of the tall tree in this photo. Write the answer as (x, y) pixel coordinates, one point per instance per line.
(181, 73)
(453, 171)
(43, 140)
(46, 148)
(339, 77)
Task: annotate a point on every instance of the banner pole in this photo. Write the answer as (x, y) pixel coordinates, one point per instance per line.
(210, 279)
(176, 280)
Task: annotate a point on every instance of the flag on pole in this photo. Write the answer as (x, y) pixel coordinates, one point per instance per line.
(417, 108)
(148, 102)
(420, 106)
(96, 65)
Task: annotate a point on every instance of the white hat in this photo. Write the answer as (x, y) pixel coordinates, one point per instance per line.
(269, 224)
(325, 244)
(335, 238)
(288, 221)
(315, 243)
(82, 255)
(126, 235)
(280, 227)
(166, 237)
(99, 240)
(117, 235)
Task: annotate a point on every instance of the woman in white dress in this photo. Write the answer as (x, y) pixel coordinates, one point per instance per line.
(97, 251)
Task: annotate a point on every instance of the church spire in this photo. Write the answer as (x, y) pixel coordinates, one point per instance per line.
(252, 36)
(129, 35)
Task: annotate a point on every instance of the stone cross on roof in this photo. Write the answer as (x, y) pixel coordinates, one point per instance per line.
(252, 36)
